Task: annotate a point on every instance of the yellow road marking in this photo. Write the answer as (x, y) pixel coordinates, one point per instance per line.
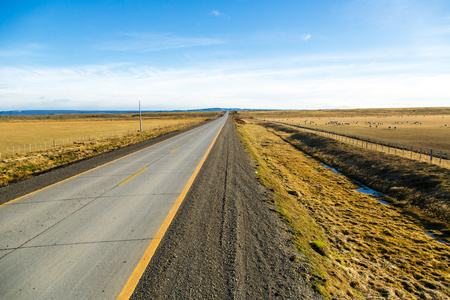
(190, 139)
(129, 287)
(134, 175)
(175, 149)
(21, 197)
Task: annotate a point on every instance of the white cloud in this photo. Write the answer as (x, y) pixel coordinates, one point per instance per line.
(147, 42)
(306, 37)
(216, 13)
(23, 50)
(377, 79)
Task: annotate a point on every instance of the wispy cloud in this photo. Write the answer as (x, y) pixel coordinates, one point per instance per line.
(306, 37)
(289, 82)
(148, 42)
(216, 13)
(23, 50)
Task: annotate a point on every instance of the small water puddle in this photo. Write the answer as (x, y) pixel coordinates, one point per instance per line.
(362, 188)
(366, 190)
(431, 235)
(376, 195)
(331, 168)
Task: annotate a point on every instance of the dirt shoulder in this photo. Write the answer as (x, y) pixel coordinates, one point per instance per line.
(226, 241)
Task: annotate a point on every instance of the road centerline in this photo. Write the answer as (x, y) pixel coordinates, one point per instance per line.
(133, 175)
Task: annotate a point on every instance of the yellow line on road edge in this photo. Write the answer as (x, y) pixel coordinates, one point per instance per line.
(175, 149)
(129, 287)
(21, 197)
(133, 175)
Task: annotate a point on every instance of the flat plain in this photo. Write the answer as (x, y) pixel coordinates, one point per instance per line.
(356, 246)
(33, 131)
(426, 128)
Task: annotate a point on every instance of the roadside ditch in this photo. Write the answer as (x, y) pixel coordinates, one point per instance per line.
(358, 247)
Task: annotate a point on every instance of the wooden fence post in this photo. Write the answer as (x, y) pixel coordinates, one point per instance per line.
(431, 156)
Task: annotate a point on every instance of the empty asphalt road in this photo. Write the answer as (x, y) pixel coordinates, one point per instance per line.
(82, 238)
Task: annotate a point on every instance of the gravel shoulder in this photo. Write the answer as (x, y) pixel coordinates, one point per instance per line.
(226, 241)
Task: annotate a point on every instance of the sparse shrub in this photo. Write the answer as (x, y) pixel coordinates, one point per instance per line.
(320, 247)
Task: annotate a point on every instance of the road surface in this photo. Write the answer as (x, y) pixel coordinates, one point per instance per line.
(82, 238)
(227, 241)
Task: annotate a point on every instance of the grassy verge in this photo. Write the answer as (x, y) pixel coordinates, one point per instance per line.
(410, 183)
(355, 247)
(33, 163)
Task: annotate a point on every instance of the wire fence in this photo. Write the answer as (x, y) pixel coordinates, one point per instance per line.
(431, 156)
(51, 144)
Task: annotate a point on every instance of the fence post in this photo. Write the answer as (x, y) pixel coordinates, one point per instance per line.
(420, 156)
(54, 143)
(440, 158)
(403, 150)
(389, 148)
(431, 156)
(411, 151)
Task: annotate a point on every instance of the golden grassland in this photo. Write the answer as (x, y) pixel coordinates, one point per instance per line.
(426, 128)
(356, 247)
(37, 130)
(25, 165)
(410, 183)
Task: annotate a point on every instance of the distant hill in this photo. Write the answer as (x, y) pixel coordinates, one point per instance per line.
(60, 112)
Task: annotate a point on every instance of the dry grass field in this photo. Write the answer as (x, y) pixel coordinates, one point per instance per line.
(356, 247)
(426, 128)
(37, 132)
(78, 137)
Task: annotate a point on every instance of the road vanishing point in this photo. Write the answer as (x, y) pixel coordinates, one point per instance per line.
(91, 236)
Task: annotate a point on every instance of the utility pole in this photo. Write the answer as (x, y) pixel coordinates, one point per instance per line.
(140, 118)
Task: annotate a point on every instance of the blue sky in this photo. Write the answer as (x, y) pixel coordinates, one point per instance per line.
(285, 54)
